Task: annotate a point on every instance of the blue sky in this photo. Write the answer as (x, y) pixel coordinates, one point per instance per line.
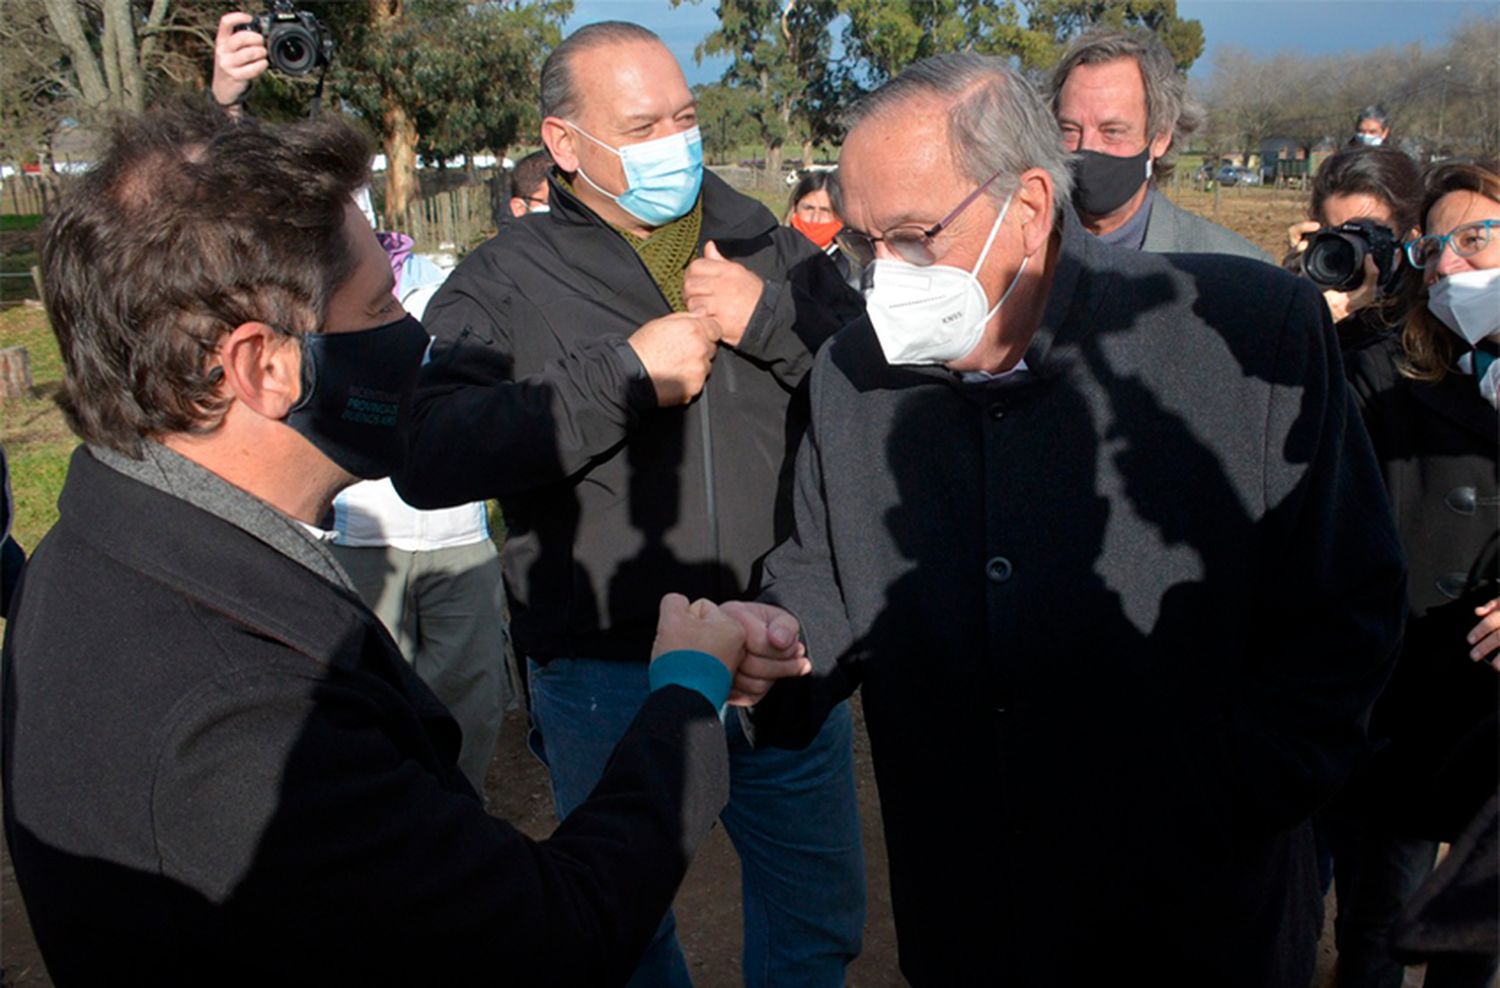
(1263, 26)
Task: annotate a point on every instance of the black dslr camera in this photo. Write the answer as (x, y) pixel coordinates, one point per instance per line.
(1336, 256)
(297, 43)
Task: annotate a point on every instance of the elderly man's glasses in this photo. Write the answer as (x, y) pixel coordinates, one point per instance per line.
(912, 245)
(1466, 241)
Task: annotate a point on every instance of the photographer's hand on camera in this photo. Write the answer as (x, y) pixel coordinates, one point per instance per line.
(240, 56)
(1341, 304)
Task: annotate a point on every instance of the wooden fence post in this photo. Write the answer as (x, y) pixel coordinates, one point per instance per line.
(15, 373)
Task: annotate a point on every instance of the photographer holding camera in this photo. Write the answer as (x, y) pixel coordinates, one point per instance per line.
(240, 56)
(1422, 384)
(1365, 202)
(283, 38)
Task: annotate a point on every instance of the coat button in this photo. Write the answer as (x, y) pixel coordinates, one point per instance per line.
(998, 570)
(997, 410)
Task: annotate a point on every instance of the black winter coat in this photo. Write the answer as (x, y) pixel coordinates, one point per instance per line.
(1117, 619)
(533, 396)
(1438, 445)
(219, 770)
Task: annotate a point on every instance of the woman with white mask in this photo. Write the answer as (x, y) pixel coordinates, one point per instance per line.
(1429, 401)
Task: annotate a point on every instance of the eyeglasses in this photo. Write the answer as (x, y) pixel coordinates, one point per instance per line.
(912, 245)
(1466, 241)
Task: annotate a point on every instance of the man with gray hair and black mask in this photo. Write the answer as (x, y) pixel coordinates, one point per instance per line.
(1123, 108)
(1098, 535)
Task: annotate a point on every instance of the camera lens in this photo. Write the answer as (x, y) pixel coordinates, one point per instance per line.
(293, 50)
(1335, 260)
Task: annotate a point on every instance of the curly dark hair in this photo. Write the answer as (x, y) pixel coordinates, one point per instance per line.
(189, 225)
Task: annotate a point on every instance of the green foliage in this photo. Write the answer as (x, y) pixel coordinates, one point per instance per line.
(882, 37)
(781, 67)
(1062, 19)
(726, 120)
(465, 72)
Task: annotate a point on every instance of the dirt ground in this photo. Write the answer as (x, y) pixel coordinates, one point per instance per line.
(708, 919)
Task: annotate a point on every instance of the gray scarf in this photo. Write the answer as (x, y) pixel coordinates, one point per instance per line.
(174, 474)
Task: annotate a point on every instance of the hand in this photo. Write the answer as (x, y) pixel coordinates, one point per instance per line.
(773, 650)
(1296, 234)
(239, 58)
(677, 352)
(1342, 305)
(727, 291)
(699, 626)
(1485, 636)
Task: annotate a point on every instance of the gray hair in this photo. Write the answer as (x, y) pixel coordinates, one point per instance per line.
(1168, 107)
(1374, 112)
(997, 122)
(559, 97)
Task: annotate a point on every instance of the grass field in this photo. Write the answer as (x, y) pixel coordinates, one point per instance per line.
(36, 439)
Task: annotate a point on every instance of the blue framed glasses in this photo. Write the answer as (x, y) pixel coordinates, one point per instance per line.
(1466, 240)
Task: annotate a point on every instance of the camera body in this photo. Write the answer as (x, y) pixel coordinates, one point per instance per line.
(295, 41)
(1335, 258)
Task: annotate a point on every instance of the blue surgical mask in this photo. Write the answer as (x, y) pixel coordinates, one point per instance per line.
(662, 176)
(1370, 140)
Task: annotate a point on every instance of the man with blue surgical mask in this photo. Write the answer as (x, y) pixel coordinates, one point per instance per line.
(624, 373)
(1096, 534)
(1372, 128)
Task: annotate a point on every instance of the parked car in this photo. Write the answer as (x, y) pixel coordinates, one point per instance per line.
(1238, 175)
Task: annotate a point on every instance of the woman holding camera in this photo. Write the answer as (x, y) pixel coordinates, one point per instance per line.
(1381, 190)
(1428, 399)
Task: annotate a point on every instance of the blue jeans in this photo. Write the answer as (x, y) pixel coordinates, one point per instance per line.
(792, 816)
(1376, 874)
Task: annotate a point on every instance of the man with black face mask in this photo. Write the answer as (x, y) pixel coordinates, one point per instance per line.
(217, 765)
(1122, 106)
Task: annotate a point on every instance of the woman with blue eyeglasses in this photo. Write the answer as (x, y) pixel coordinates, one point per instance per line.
(1428, 398)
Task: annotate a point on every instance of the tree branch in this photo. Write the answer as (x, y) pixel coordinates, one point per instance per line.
(65, 20)
(152, 27)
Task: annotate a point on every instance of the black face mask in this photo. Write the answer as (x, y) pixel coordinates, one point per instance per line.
(1102, 183)
(357, 392)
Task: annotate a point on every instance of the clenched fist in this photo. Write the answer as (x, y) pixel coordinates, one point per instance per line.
(700, 626)
(724, 290)
(677, 352)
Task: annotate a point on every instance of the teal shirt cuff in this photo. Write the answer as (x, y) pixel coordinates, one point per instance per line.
(698, 671)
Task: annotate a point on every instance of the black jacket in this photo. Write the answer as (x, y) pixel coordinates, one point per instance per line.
(219, 770)
(1438, 445)
(533, 396)
(1117, 622)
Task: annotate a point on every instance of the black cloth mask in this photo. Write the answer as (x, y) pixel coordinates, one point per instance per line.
(1102, 183)
(357, 394)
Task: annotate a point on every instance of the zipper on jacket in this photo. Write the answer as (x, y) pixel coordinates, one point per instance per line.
(711, 498)
(710, 495)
